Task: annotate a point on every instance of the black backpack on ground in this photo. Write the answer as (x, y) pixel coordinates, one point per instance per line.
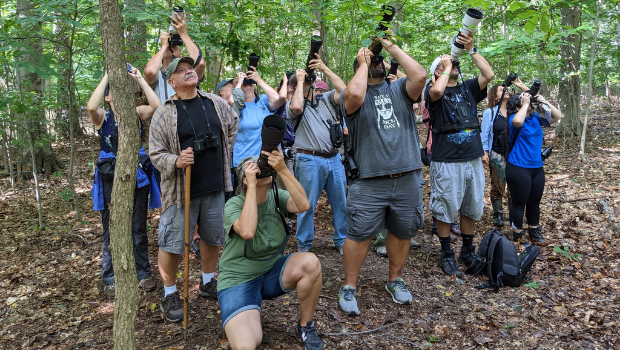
(497, 256)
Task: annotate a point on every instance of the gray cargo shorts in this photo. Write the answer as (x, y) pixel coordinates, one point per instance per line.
(457, 187)
(207, 210)
(380, 203)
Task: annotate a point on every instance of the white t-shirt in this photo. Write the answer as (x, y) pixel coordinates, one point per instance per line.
(162, 87)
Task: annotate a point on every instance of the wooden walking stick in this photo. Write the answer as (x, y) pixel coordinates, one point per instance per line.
(188, 178)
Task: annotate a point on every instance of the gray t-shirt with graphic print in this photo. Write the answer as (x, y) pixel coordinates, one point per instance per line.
(383, 131)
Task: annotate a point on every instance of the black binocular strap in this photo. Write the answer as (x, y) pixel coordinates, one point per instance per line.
(286, 229)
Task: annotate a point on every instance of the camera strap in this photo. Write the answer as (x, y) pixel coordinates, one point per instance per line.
(286, 229)
(204, 109)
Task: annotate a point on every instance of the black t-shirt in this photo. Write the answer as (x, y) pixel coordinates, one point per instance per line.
(208, 167)
(463, 144)
(499, 127)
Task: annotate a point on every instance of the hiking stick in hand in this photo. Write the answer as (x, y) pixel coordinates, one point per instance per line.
(188, 178)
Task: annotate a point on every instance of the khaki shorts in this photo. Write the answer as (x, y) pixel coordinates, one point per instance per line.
(207, 211)
(457, 187)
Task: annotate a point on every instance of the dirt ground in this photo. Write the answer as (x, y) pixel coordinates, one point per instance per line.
(51, 292)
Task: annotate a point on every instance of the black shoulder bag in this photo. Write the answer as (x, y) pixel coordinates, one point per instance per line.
(286, 229)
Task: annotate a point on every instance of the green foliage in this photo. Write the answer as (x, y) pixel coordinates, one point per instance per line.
(66, 194)
(532, 285)
(567, 253)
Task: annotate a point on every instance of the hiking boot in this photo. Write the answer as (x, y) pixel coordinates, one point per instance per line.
(172, 307)
(108, 289)
(309, 336)
(398, 291)
(348, 301)
(535, 234)
(519, 237)
(303, 250)
(498, 218)
(147, 284)
(448, 264)
(208, 290)
(194, 246)
(467, 255)
(381, 251)
(414, 244)
(454, 230)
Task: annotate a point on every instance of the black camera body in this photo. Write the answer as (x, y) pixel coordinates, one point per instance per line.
(175, 38)
(252, 62)
(533, 91)
(376, 47)
(546, 153)
(315, 45)
(350, 166)
(202, 143)
(271, 136)
(335, 134)
(509, 79)
(393, 67)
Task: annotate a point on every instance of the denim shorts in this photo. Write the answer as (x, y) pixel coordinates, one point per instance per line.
(249, 295)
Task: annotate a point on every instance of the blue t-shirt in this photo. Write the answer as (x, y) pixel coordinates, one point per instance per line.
(250, 124)
(526, 149)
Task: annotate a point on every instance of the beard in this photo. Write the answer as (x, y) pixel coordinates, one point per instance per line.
(378, 71)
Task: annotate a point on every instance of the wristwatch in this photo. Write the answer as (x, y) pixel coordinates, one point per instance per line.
(473, 51)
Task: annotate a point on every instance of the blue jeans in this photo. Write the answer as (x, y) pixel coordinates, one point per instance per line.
(315, 174)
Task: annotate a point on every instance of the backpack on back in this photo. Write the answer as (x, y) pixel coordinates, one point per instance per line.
(498, 258)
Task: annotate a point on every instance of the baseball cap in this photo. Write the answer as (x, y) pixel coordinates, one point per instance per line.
(435, 64)
(222, 83)
(241, 167)
(321, 85)
(172, 67)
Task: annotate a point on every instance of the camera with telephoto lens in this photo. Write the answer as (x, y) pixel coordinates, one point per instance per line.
(252, 62)
(175, 38)
(271, 135)
(471, 20)
(546, 153)
(315, 45)
(509, 79)
(202, 143)
(533, 91)
(376, 47)
(393, 68)
(335, 133)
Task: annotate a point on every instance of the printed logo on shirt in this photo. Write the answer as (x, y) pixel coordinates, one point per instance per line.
(463, 136)
(386, 119)
(270, 237)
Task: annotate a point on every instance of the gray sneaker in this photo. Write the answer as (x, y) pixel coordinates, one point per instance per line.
(303, 250)
(340, 250)
(381, 251)
(108, 289)
(398, 291)
(415, 244)
(348, 301)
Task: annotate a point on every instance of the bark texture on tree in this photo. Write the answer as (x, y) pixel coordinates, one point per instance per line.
(570, 88)
(121, 208)
(136, 35)
(31, 87)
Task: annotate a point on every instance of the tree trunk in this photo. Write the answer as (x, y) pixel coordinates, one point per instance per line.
(570, 89)
(121, 207)
(74, 124)
(136, 35)
(45, 159)
(582, 145)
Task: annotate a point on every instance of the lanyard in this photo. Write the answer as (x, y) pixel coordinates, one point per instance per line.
(190, 118)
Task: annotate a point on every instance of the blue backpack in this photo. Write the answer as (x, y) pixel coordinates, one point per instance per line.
(498, 258)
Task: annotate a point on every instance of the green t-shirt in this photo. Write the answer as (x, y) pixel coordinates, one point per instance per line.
(235, 269)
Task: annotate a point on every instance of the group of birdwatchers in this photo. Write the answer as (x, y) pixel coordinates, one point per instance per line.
(232, 205)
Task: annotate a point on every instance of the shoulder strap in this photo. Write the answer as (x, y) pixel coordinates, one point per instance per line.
(163, 77)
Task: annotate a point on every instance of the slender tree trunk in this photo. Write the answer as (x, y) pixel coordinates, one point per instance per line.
(72, 125)
(121, 207)
(569, 95)
(582, 145)
(7, 155)
(136, 35)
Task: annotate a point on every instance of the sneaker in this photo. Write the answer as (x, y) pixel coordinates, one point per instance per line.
(348, 301)
(309, 336)
(381, 251)
(147, 284)
(208, 290)
(398, 291)
(340, 250)
(415, 244)
(535, 234)
(519, 237)
(303, 250)
(172, 307)
(455, 229)
(448, 264)
(194, 246)
(467, 255)
(108, 289)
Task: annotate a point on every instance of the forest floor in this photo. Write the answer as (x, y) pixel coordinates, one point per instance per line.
(51, 292)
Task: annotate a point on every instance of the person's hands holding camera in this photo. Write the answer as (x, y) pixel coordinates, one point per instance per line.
(391, 78)
(301, 75)
(135, 73)
(446, 63)
(241, 76)
(179, 23)
(165, 39)
(186, 158)
(276, 160)
(525, 99)
(252, 74)
(387, 41)
(317, 63)
(364, 56)
(251, 170)
(467, 40)
(541, 99)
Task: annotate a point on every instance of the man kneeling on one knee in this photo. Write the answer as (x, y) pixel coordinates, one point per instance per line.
(252, 267)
